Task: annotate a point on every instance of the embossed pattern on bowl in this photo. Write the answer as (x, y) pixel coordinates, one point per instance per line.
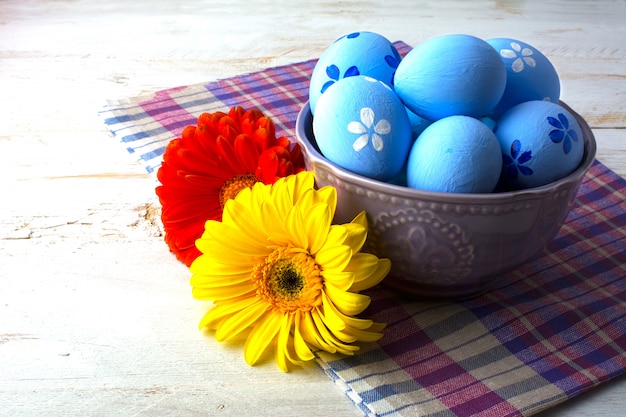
(448, 245)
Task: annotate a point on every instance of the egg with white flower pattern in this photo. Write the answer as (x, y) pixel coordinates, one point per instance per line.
(361, 125)
(530, 74)
(455, 154)
(358, 53)
(451, 75)
(540, 141)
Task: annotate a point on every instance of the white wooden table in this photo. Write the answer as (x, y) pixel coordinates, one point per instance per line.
(96, 318)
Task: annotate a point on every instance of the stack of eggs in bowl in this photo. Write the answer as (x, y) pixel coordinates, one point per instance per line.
(461, 154)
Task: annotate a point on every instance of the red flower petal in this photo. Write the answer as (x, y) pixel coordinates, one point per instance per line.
(203, 163)
(268, 167)
(246, 152)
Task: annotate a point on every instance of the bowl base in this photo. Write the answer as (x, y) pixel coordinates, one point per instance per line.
(427, 292)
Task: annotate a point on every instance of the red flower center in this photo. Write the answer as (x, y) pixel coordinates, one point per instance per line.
(232, 187)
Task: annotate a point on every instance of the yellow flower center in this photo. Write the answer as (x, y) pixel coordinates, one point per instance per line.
(232, 187)
(289, 279)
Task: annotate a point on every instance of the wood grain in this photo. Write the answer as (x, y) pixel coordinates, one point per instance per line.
(96, 317)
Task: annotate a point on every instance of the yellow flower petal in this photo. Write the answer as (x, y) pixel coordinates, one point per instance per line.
(222, 293)
(356, 234)
(207, 272)
(347, 302)
(310, 333)
(281, 354)
(308, 198)
(240, 321)
(246, 201)
(292, 186)
(284, 354)
(334, 257)
(317, 221)
(360, 219)
(220, 311)
(377, 327)
(329, 338)
(243, 212)
(337, 234)
(296, 233)
(330, 320)
(312, 197)
(348, 321)
(371, 272)
(207, 266)
(302, 349)
(301, 183)
(220, 240)
(328, 195)
(278, 232)
(209, 321)
(282, 202)
(340, 279)
(238, 215)
(351, 335)
(216, 281)
(263, 333)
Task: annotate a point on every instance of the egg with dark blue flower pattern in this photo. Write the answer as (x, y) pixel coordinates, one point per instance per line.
(362, 126)
(540, 141)
(450, 75)
(456, 154)
(530, 74)
(358, 53)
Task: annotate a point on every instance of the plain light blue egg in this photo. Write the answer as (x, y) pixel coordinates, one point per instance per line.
(530, 74)
(451, 75)
(360, 124)
(456, 154)
(541, 142)
(358, 53)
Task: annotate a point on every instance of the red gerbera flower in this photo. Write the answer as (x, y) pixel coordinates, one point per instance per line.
(210, 163)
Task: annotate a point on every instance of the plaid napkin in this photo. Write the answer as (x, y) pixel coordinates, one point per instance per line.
(555, 328)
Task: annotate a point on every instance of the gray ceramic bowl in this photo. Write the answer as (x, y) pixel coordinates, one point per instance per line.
(448, 245)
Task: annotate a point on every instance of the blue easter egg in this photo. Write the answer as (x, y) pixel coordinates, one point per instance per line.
(530, 75)
(418, 123)
(359, 53)
(360, 124)
(541, 142)
(490, 122)
(457, 154)
(451, 75)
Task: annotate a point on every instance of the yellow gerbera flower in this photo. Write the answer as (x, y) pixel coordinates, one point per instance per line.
(275, 266)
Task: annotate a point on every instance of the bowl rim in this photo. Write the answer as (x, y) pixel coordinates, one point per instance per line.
(590, 148)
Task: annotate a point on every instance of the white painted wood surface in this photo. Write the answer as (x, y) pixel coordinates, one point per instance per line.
(96, 318)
